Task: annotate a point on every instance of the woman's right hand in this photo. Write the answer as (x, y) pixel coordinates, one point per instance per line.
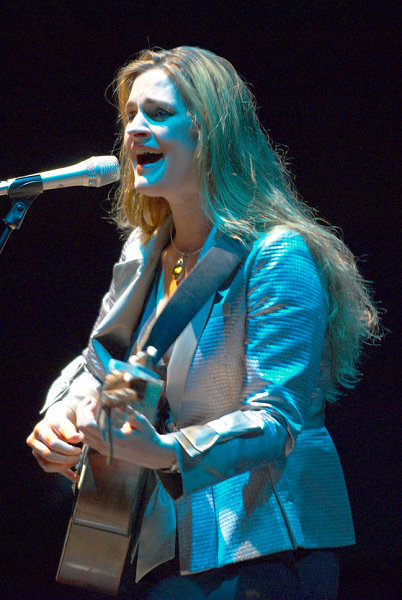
(52, 441)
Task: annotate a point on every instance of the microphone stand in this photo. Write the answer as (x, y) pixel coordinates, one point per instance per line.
(22, 192)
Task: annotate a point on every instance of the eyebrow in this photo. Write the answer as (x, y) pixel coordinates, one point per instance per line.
(149, 100)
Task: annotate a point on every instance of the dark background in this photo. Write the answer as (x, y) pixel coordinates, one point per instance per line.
(325, 78)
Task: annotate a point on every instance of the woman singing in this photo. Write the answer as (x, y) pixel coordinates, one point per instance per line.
(246, 490)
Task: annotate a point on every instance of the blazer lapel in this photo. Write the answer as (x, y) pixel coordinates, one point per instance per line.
(186, 344)
(113, 335)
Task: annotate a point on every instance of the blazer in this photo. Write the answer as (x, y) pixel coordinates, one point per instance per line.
(246, 382)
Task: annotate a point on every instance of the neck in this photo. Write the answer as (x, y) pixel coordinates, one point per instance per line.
(191, 229)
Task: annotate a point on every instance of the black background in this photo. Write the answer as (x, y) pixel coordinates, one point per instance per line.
(324, 75)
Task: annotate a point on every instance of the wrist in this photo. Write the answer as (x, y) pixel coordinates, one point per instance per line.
(62, 408)
(170, 464)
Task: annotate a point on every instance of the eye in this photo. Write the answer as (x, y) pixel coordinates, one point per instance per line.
(159, 114)
(156, 114)
(130, 116)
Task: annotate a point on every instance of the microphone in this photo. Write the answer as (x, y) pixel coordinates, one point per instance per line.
(94, 172)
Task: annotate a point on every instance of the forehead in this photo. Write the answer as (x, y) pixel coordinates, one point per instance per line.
(154, 84)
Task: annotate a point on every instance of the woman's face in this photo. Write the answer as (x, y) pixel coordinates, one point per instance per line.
(160, 139)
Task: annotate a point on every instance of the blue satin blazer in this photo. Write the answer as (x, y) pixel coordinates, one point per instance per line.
(246, 383)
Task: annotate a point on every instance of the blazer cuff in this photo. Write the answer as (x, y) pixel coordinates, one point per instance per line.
(221, 449)
(197, 439)
(73, 385)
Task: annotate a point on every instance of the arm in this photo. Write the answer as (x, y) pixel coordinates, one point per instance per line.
(286, 322)
(84, 375)
(53, 438)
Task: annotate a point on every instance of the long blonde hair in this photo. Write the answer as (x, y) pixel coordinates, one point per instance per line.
(246, 189)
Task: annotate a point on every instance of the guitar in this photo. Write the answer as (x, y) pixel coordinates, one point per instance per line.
(108, 496)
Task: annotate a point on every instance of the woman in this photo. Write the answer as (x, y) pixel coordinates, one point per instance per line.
(247, 486)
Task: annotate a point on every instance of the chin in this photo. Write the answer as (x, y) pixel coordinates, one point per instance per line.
(141, 185)
(148, 190)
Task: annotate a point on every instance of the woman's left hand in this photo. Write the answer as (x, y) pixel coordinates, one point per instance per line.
(137, 441)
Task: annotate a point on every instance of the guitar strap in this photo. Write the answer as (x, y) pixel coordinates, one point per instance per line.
(208, 275)
(205, 278)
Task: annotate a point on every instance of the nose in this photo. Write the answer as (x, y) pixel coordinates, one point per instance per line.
(138, 127)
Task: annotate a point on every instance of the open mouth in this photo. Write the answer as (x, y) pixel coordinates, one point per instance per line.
(147, 158)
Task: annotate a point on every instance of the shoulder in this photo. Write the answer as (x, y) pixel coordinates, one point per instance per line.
(133, 248)
(281, 259)
(129, 263)
(278, 244)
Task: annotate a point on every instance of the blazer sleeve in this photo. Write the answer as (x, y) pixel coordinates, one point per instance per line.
(83, 376)
(287, 313)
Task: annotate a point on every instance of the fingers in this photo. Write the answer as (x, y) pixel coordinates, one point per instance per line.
(63, 469)
(86, 415)
(53, 468)
(88, 426)
(69, 432)
(52, 447)
(54, 463)
(49, 438)
(119, 397)
(138, 421)
(127, 428)
(122, 386)
(59, 453)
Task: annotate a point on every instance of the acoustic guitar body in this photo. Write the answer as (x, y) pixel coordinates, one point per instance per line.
(99, 531)
(109, 500)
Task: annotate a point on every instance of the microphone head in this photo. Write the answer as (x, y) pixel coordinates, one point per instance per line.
(102, 170)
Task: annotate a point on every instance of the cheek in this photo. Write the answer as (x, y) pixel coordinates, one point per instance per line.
(186, 140)
(185, 150)
(127, 142)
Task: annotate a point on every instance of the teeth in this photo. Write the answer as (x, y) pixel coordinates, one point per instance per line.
(144, 151)
(148, 157)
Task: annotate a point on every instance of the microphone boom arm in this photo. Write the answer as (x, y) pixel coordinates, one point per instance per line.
(22, 192)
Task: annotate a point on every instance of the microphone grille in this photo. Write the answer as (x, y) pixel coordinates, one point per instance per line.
(103, 169)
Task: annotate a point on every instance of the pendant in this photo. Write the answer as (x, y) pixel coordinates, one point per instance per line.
(178, 268)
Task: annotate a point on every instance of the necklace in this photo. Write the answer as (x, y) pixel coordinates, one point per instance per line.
(180, 264)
